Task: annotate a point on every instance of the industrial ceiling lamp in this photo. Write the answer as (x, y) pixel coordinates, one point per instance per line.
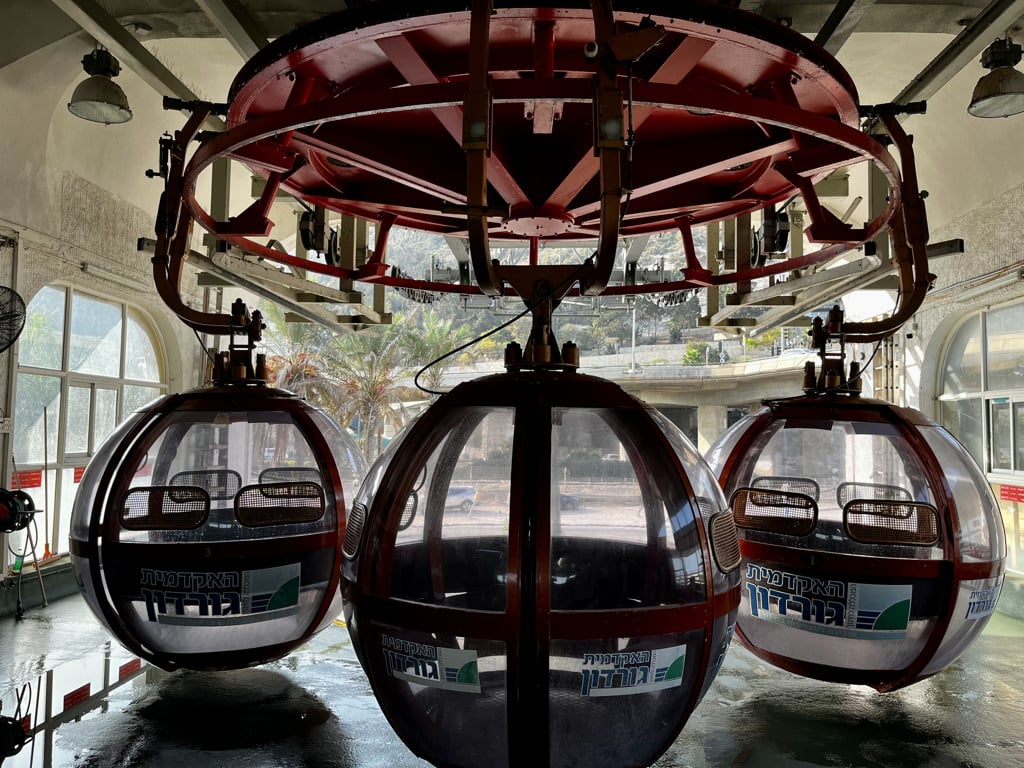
(98, 98)
(1000, 93)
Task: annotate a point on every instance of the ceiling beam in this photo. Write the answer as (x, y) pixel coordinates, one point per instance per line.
(751, 6)
(236, 25)
(841, 23)
(635, 248)
(109, 32)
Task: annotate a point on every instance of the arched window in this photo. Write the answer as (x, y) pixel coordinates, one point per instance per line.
(84, 363)
(961, 384)
(981, 395)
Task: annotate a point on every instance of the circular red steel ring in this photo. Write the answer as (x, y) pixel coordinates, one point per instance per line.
(288, 55)
(448, 94)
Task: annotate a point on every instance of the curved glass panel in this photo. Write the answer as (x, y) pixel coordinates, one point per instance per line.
(615, 541)
(698, 472)
(462, 494)
(962, 364)
(980, 522)
(257, 469)
(833, 464)
(722, 448)
(141, 361)
(90, 484)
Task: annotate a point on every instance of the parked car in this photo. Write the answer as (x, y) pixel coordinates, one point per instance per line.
(461, 497)
(568, 501)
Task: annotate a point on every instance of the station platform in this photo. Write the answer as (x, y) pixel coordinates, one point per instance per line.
(90, 704)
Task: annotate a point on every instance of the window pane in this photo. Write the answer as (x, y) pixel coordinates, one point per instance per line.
(961, 370)
(1018, 436)
(462, 494)
(77, 438)
(34, 394)
(963, 419)
(1005, 341)
(105, 418)
(594, 483)
(613, 518)
(95, 337)
(999, 414)
(42, 339)
(141, 361)
(136, 397)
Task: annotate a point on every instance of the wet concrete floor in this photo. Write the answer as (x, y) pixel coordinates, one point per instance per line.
(89, 704)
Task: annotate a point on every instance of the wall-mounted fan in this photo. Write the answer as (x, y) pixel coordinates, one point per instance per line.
(12, 316)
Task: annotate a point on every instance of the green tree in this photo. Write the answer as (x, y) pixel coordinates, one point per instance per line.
(766, 341)
(297, 358)
(429, 336)
(368, 367)
(702, 353)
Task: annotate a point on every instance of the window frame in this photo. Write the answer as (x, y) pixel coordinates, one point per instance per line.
(65, 465)
(989, 399)
(1006, 481)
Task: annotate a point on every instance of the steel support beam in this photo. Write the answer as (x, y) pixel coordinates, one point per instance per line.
(236, 25)
(841, 23)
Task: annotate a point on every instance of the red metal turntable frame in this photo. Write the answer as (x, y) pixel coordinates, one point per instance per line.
(540, 124)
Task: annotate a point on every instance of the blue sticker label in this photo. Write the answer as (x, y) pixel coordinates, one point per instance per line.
(220, 598)
(829, 606)
(627, 673)
(451, 669)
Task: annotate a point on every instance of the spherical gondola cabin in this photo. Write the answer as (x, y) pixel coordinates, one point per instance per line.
(207, 529)
(583, 600)
(873, 547)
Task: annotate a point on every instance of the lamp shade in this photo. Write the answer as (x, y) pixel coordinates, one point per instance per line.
(1000, 93)
(100, 100)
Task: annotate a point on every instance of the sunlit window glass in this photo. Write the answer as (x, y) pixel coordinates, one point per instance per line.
(1004, 342)
(77, 438)
(84, 364)
(963, 419)
(140, 359)
(961, 371)
(1001, 430)
(37, 395)
(136, 397)
(42, 340)
(95, 336)
(105, 416)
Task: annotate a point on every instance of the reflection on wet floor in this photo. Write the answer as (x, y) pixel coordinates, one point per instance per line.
(86, 702)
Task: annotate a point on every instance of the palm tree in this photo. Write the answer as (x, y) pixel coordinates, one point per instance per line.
(367, 368)
(434, 337)
(296, 357)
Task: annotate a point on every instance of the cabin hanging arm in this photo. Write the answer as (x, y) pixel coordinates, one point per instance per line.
(174, 233)
(909, 229)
